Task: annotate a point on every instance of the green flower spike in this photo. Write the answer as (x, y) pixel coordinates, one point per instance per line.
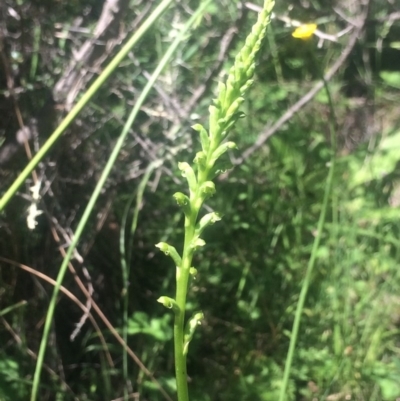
(224, 112)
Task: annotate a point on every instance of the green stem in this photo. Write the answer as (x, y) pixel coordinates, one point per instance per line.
(317, 241)
(182, 279)
(126, 259)
(180, 357)
(306, 284)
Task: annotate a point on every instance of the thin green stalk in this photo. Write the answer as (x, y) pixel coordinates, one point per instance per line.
(107, 169)
(223, 115)
(181, 293)
(306, 282)
(35, 54)
(275, 56)
(12, 307)
(314, 250)
(126, 253)
(125, 296)
(163, 6)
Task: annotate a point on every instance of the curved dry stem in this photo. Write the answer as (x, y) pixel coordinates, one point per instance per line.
(70, 295)
(113, 331)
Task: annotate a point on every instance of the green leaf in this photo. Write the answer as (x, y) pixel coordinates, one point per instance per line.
(158, 328)
(391, 78)
(380, 164)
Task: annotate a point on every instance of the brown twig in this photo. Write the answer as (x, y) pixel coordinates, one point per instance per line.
(113, 331)
(101, 315)
(69, 294)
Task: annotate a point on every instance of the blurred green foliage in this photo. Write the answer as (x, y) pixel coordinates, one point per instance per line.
(250, 273)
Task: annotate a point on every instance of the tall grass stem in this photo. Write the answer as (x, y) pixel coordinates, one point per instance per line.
(162, 7)
(106, 171)
(317, 241)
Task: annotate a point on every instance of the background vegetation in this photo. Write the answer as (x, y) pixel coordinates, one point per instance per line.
(251, 271)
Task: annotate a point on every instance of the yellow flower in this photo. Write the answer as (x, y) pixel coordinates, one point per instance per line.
(304, 31)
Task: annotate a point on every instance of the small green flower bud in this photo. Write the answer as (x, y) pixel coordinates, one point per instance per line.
(201, 160)
(190, 328)
(213, 121)
(197, 242)
(205, 140)
(234, 107)
(250, 71)
(170, 251)
(222, 149)
(247, 85)
(183, 201)
(207, 220)
(232, 91)
(239, 69)
(169, 303)
(163, 247)
(221, 92)
(188, 172)
(207, 189)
